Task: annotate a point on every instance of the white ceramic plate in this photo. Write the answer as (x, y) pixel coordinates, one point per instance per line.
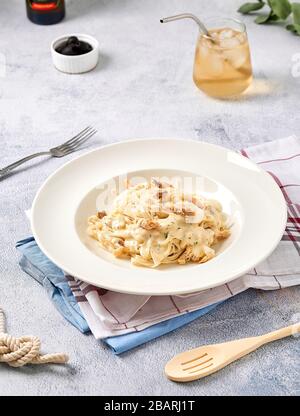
(249, 196)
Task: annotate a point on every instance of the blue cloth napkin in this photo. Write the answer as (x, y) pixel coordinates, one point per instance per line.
(38, 266)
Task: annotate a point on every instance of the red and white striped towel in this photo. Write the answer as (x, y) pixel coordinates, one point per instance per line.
(110, 313)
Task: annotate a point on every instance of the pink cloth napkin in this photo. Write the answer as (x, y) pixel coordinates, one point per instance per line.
(110, 313)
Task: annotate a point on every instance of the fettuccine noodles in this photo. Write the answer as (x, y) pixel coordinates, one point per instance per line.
(153, 223)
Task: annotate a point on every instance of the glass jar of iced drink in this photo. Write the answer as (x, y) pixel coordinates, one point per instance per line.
(222, 65)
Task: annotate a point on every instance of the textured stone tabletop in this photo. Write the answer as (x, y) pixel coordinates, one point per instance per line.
(142, 87)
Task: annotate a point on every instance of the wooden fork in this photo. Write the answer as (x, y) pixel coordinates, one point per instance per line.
(200, 362)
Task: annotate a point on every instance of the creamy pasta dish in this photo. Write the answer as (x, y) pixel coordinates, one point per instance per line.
(155, 223)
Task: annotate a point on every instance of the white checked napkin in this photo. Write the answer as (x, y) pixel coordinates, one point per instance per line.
(109, 313)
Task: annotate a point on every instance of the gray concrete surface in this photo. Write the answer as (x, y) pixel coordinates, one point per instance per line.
(141, 88)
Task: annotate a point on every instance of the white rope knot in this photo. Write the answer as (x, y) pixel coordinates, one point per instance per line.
(17, 352)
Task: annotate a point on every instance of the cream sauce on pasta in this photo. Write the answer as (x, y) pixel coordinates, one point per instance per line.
(154, 223)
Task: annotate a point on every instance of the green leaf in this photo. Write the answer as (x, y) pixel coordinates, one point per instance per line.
(281, 8)
(295, 28)
(296, 13)
(251, 7)
(263, 18)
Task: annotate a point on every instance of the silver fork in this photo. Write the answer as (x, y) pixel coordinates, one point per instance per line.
(60, 151)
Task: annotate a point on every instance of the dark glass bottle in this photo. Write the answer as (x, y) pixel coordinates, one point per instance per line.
(45, 12)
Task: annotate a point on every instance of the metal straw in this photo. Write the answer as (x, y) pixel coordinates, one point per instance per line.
(187, 16)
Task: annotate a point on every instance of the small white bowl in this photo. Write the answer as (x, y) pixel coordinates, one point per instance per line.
(77, 64)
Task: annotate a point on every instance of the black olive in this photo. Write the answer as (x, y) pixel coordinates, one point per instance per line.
(86, 47)
(68, 50)
(73, 40)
